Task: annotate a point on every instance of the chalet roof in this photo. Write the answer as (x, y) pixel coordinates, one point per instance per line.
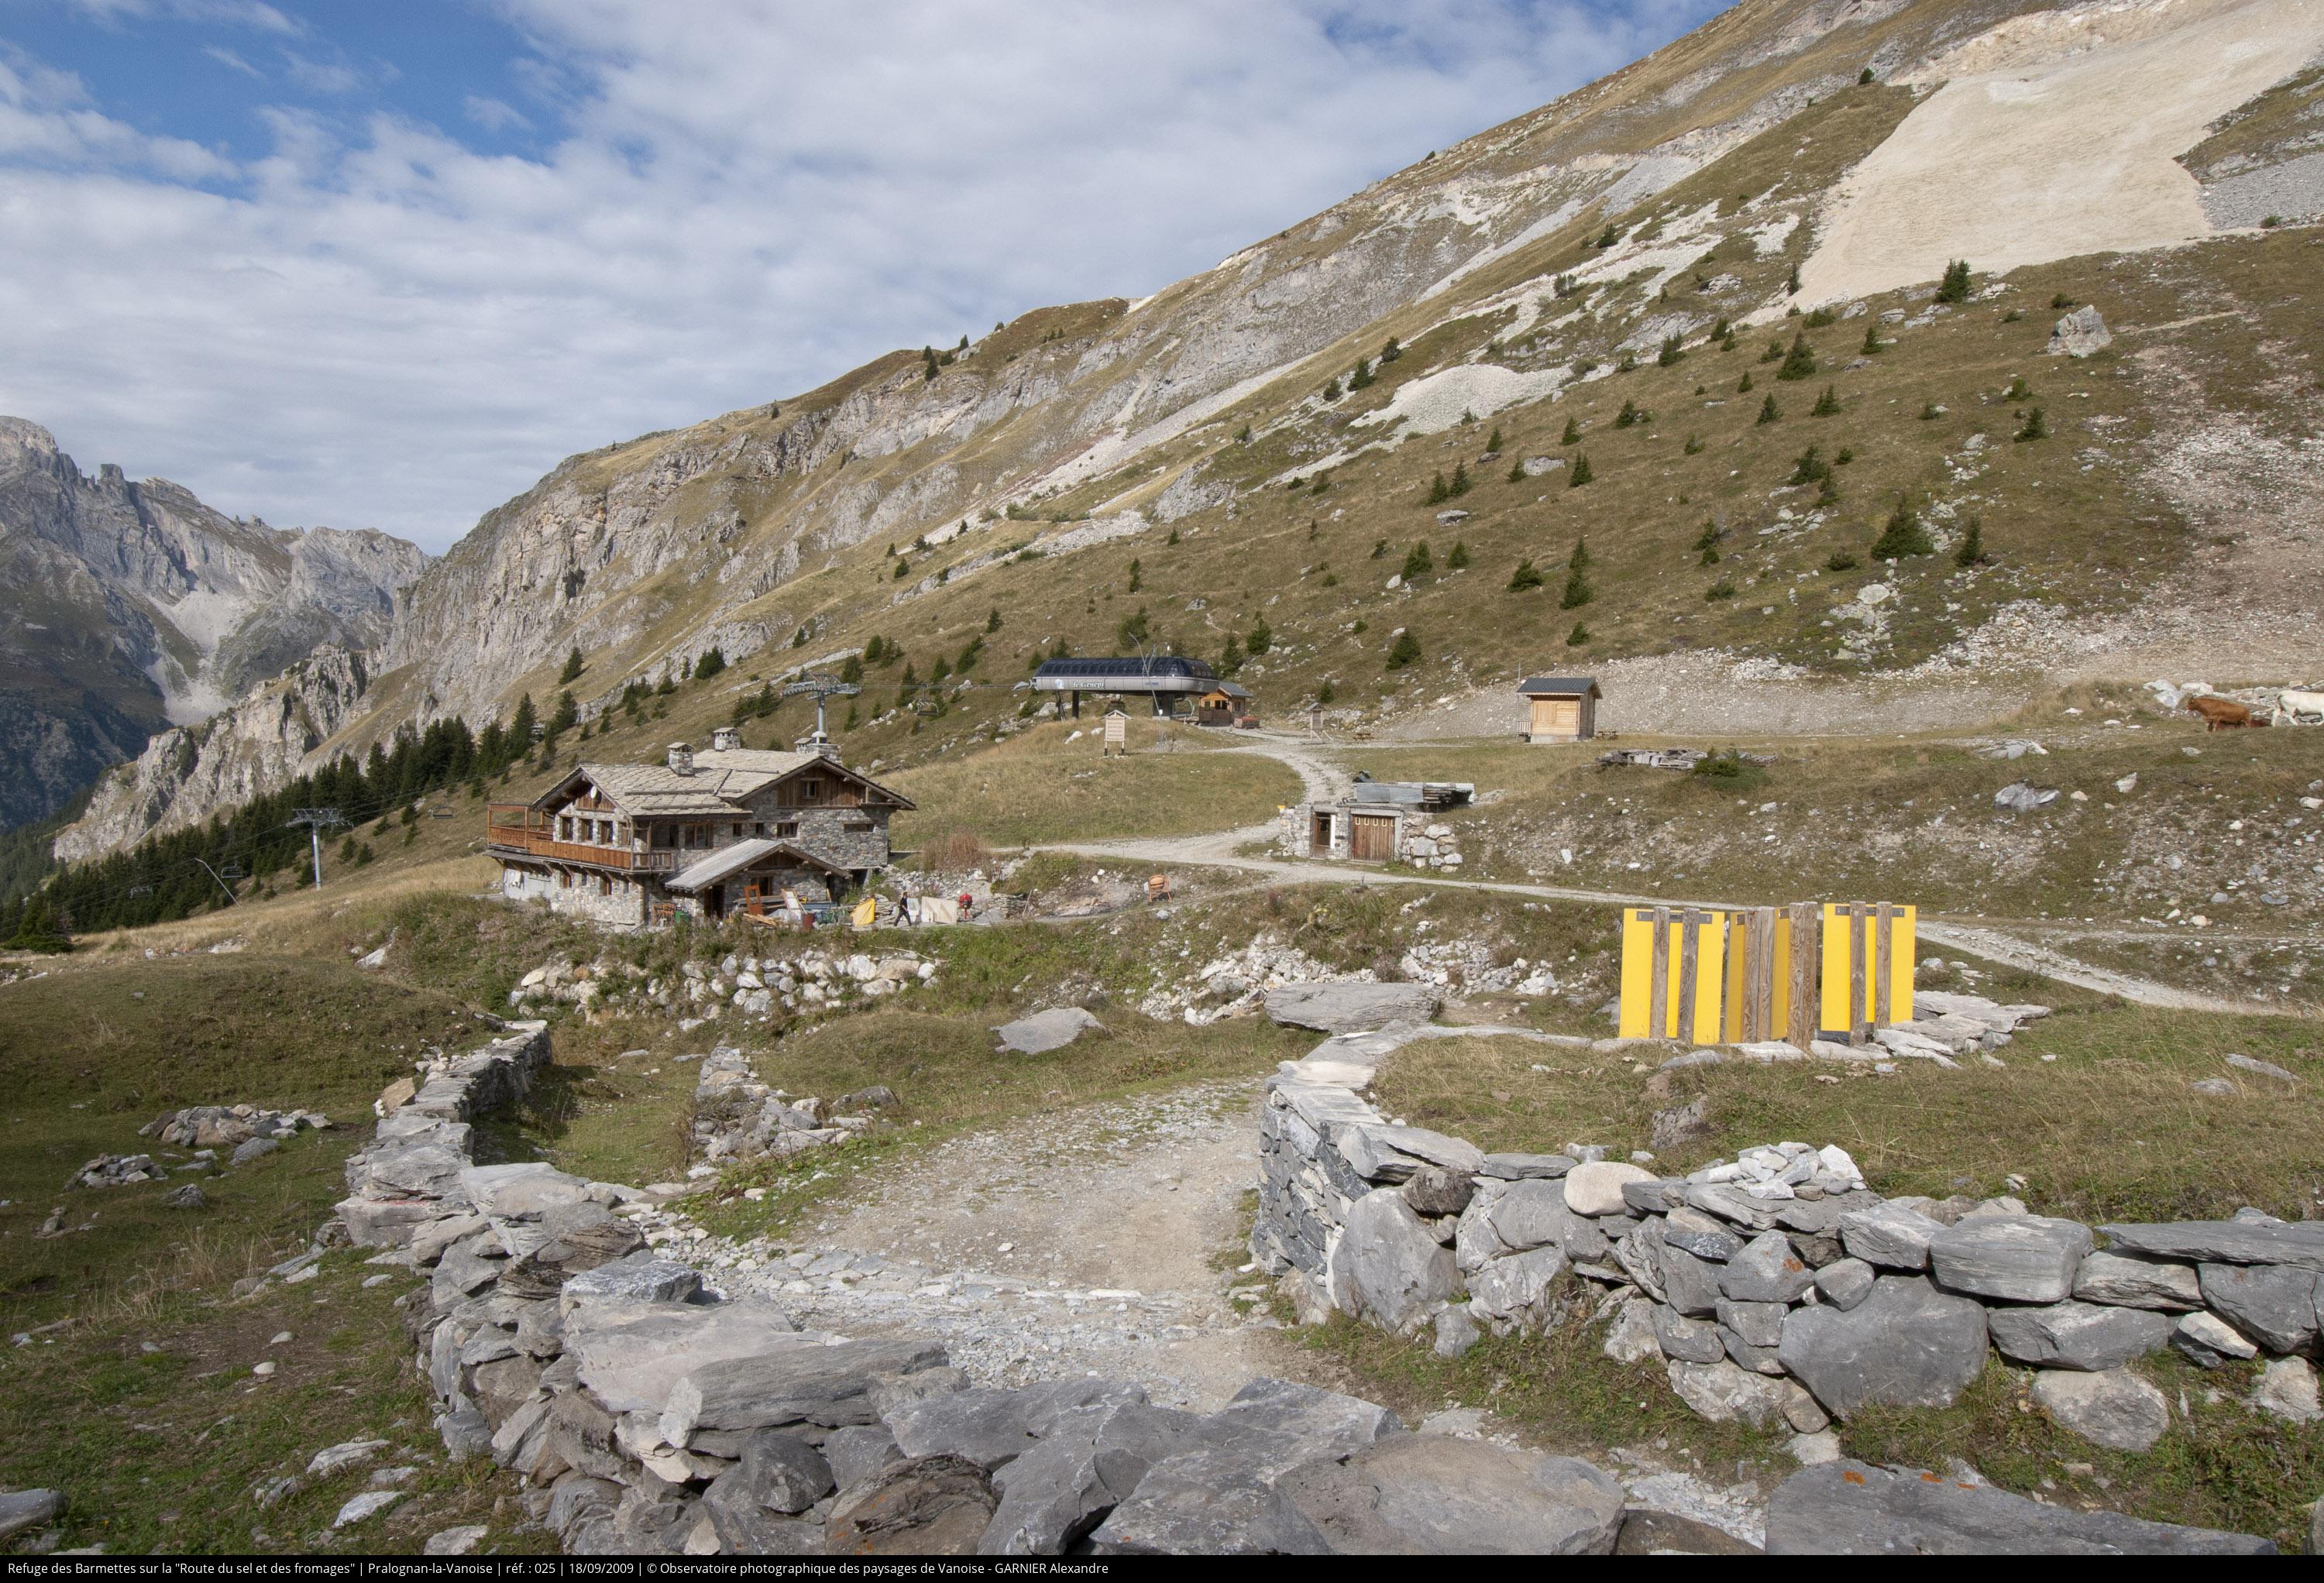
(722, 782)
(1231, 689)
(728, 861)
(1560, 686)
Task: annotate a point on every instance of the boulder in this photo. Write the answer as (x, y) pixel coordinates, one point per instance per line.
(1510, 1290)
(2209, 1341)
(1349, 1006)
(2111, 1407)
(1686, 1340)
(2080, 1336)
(992, 1427)
(1068, 1481)
(1630, 1336)
(1845, 1283)
(927, 1506)
(21, 1510)
(1723, 1392)
(858, 1451)
(2080, 333)
(777, 1472)
(1691, 1284)
(1508, 1167)
(2018, 1258)
(1388, 1265)
(638, 1279)
(2274, 1304)
(1766, 1270)
(2287, 1388)
(2128, 1281)
(1434, 1190)
(1595, 1187)
(1456, 1331)
(630, 1354)
(1852, 1508)
(1045, 1030)
(1907, 1345)
(1434, 1494)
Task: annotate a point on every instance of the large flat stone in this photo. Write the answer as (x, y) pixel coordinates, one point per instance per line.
(1595, 1186)
(2018, 1258)
(1509, 1291)
(929, 1505)
(2127, 1281)
(1765, 1270)
(821, 1383)
(630, 1354)
(2070, 1335)
(1889, 1235)
(993, 1426)
(1907, 1345)
(2231, 1242)
(1349, 1006)
(1045, 1030)
(1433, 1494)
(1053, 1494)
(1852, 1508)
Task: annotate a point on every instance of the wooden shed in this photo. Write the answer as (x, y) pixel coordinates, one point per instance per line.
(1564, 708)
(1224, 704)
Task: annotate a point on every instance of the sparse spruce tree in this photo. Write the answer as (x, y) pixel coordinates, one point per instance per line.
(1261, 638)
(1672, 352)
(1578, 637)
(1493, 441)
(1970, 551)
(1743, 385)
(1390, 352)
(1693, 446)
(1809, 468)
(1517, 473)
(1460, 478)
(1578, 591)
(1873, 345)
(1800, 362)
(2035, 427)
(1525, 577)
(1362, 379)
(1903, 535)
(573, 665)
(1403, 650)
(1826, 404)
(1573, 434)
(992, 621)
(1458, 561)
(1582, 472)
(1707, 542)
(1792, 284)
(1954, 287)
(1137, 575)
(1438, 490)
(1418, 563)
(1332, 390)
(1768, 411)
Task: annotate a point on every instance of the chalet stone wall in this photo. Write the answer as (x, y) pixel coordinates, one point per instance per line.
(1422, 839)
(624, 908)
(1773, 1287)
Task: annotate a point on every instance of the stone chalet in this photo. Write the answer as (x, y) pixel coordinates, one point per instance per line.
(726, 831)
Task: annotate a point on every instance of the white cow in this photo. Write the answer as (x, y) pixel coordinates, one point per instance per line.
(2290, 706)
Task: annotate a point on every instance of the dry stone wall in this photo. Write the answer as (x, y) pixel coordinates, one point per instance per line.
(1773, 1287)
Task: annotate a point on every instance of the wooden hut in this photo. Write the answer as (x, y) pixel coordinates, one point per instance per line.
(1224, 704)
(1564, 708)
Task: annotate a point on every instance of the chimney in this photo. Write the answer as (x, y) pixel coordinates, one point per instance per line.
(725, 739)
(681, 758)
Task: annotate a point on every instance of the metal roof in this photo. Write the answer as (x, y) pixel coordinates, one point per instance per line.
(1561, 687)
(1160, 673)
(727, 861)
(723, 781)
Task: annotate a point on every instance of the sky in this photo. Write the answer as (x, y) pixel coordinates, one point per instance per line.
(385, 264)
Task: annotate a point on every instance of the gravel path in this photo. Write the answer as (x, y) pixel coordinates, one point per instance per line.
(1103, 1239)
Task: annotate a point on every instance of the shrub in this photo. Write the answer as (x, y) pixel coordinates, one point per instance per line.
(1403, 650)
(1525, 577)
(1800, 362)
(1722, 589)
(1672, 352)
(1864, 76)
(1693, 446)
(1261, 638)
(1707, 541)
(1332, 390)
(1458, 561)
(1390, 352)
(1578, 637)
(2035, 427)
(1743, 385)
(1902, 536)
(1362, 379)
(1840, 560)
(1818, 317)
(2018, 389)
(1873, 345)
(1954, 287)
(1826, 404)
(1629, 416)
(1517, 473)
(1418, 563)
(1809, 467)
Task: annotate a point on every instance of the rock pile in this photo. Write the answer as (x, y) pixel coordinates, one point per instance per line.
(738, 1118)
(227, 1127)
(118, 1171)
(1775, 1286)
(1235, 984)
(1947, 1029)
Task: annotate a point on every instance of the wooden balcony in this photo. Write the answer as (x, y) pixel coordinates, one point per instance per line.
(514, 829)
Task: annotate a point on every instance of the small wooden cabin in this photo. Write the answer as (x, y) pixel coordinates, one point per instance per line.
(1224, 704)
(1564, 708)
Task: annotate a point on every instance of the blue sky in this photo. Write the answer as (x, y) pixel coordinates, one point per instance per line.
(384, 264)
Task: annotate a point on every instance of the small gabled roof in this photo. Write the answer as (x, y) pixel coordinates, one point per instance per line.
(729, 861)
(1232, 689)
(1560, 686)
(721, 786)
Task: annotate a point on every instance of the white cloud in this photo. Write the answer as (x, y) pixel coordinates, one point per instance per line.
(492, 114)
(377, 325)
(227, 58)
(249, 13)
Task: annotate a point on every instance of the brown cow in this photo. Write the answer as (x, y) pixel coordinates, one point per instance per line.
(2224, 713)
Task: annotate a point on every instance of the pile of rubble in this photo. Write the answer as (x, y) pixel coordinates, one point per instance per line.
(737, 1118)
(229, 1126)
(1776, 1288)
(1235, 984)
(750, 986)
(119, 1171)
(1946, 1029)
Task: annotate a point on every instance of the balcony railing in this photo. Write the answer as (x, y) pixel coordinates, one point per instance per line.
(514, 827)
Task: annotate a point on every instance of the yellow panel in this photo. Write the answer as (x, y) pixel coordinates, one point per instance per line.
(1702, 1025)
(1838, 976)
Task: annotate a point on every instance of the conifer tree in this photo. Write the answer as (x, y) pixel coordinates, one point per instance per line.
(2035, 427)
(1438, 492)
(1460, 478)
(1458, 561)
(1578, 637)
(1582, 473)
(1954, 287)
(1517, 473)
(1390, 352)
(1527, 576)
(573, 665)
(1403, 650)
(1573, 432)
(1970, 551)
(1800, 362)
(1826, 404)
(1901, 535)
(1873, 345)
(1768, 411)
(1418, 563)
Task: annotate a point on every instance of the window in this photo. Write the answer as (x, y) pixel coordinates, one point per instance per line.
(857, 826)
(563, 879)
(604, 884)
(788, 830)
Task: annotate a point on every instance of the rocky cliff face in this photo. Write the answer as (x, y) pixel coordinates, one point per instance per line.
(126, 607)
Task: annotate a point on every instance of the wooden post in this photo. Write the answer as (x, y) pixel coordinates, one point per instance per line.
(1857, 1033)
(1658, 981)
(1806, 1002)
(1690, 921)
(1883, 938)
(1758, 1011)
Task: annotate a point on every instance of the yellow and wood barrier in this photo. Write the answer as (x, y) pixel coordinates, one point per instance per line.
(1798, 973)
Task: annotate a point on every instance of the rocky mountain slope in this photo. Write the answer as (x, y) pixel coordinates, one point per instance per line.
(129, 607)
(1705, 286)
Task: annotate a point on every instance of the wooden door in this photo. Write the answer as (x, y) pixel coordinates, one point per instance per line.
(1371, 838)
(1319, 836)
